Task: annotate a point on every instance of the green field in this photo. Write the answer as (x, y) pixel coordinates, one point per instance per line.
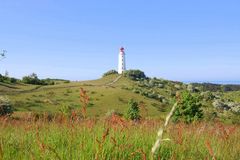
(39, 130)
(114, 138)
(103, 98)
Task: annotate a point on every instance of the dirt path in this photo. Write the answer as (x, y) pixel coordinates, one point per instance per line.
(21, 91)
(116, 80)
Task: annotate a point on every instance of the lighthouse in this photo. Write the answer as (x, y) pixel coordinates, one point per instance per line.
(121, 61)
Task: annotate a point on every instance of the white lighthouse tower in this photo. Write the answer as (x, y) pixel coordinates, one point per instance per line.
(121, 61)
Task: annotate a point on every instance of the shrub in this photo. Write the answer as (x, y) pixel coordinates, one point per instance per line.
(228, 106)
(160, 97)
(33, 79)
(161, 85)
(135, 91)
(134, 74)
(6, 79)
(236, 108)
(13, 80)
(189, 108)
(190, 88)
(133, 112)
(152, 95)
(47, 81)
(110, 73)
(208, 96)
(1, 78)
(5, 107)
(151, 83)
(220, 105)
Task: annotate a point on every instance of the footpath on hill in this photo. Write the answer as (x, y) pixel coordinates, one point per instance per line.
(114, 81)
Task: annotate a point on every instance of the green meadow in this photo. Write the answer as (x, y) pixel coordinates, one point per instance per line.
(40, 129)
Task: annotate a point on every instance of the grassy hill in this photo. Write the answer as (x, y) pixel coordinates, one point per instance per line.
(103, 98)
(156, 95)
(113, 137)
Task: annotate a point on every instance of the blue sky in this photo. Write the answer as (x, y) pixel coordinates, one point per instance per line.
(180, 40)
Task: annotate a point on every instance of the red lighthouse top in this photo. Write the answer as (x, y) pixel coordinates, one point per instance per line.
(122, 49)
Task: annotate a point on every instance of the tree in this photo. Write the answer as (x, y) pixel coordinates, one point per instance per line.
(134, 74)
(31, 79)
(133, 112)
(110, 73)
(188, 109)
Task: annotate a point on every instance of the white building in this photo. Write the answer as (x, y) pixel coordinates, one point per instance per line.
(121, 61)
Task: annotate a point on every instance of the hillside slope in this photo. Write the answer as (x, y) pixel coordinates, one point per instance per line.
(113, 92)
(104, 96)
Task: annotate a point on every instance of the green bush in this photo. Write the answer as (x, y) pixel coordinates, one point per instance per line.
(133, 112)
(188, 109)
(47, 81)
(6, 108)
(134, 74)
(110, 73)
(33, 79)
(6, 79)
(13, 80)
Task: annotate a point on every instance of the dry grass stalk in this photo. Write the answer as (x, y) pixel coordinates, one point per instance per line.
(101, 143)
(180, 134)
(210, 150)
(160, 132)
(84, 98)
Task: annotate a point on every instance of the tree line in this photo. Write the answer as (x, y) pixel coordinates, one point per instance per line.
(29, 79)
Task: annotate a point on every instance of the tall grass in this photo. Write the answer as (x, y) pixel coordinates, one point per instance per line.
(114, 138)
